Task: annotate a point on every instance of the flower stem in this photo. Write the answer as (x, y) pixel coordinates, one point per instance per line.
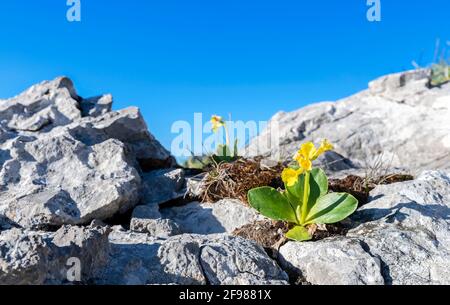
(227, 136)
(305, 197)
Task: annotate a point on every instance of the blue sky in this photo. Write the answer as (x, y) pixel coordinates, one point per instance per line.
(248, 57)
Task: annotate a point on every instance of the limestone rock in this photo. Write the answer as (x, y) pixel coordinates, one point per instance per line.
(188, 259)
(53, 180)
(127, 126)
(407, 225)
(332, 262)
(36, 258)
(147, 219)
(220, 217)
(43, 106)
(96, 106)
(161, 186)
(399, 120)
(69, 160)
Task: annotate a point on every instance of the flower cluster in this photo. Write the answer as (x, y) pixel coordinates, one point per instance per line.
(217, 122)
(304, 157)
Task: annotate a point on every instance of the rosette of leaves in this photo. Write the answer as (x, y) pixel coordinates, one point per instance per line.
(305, 200)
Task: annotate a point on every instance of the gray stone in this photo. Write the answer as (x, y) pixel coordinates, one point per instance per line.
(195, 186)
(210, 218)
(127, 126)
(407, 225)
(36, 258)
(161, 186)
(188, 259)
(41, 107)
(398, 120)
(333, 162)
(158, 186)
(336, 261)
(147, 219)
(96, 106)
(53, 179)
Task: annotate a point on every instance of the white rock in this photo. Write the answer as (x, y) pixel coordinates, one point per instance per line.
(407, 225)
(338, 261)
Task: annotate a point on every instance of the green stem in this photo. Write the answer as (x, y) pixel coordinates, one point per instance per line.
(305, 197)
(227, 136)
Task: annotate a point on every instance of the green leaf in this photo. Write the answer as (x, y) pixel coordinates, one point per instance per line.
(223, 151)
(236, 150)
(224, 154)
(271, 203)
(332, 208)
(318, 183)
(299, 233)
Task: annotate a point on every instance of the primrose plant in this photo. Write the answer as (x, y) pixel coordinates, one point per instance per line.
(224, 153)
(305, 200)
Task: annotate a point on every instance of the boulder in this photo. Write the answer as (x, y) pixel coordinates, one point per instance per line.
(399, 120)
(127, 126)
(52, 180)
(331, 262)
(36, 258)
(158, 187)
(41, 107)
(407, 225)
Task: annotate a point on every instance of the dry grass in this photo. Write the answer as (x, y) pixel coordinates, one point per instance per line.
(235, 179)
(377, 172)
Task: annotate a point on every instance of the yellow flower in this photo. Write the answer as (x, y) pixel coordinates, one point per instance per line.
(324, 147)
(305, 164)
(309, 153)
(290, 176)
(217, 122)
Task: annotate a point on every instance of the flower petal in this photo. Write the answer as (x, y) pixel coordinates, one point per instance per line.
(305, 164)
(308, 150)
(324, 147)
(290, 176)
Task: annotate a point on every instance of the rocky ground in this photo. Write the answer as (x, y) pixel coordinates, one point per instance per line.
(78, 180)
